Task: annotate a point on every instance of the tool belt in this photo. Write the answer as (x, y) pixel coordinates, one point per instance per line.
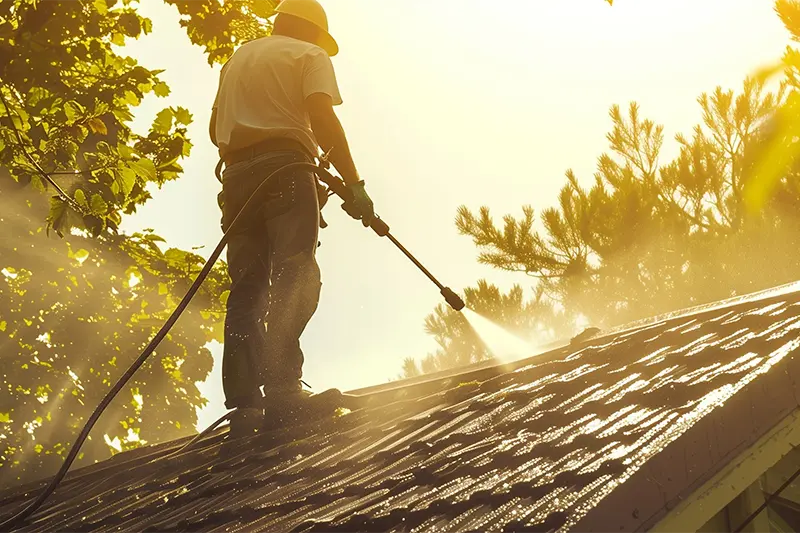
(263, 147)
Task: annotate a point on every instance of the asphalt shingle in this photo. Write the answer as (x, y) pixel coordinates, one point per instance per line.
(547, 444)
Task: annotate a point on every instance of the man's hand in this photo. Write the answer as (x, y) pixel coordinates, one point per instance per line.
(360, 207)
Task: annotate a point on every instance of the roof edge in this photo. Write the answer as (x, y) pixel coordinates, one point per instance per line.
(750, 414)
(772, 292)
(692, 513)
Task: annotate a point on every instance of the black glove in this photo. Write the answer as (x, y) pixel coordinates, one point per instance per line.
(360, 207)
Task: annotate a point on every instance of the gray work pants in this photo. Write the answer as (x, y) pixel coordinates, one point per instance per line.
(275, 278)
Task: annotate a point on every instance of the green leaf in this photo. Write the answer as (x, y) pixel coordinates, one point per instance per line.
(131, 98)
(162, 289)
(223, 298)
(97, 126)
(773, 163)
(129, 24)
(21, 119)
(81, 255)
(101, 6)
(3, 325)
(122, 114)
(183, 116)
(125, 151)
(163, 121)
(5, 417)
(152, 237)
(80, 198)
(167, 165)
(161, 89)
(263, 9)
(176, 257)
(98, 205)
(57, 217)
(82, 133)
(126, 179)
(37, 94)
(144, 168)
(71, 110)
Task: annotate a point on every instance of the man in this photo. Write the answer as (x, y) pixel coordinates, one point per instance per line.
(274, 106)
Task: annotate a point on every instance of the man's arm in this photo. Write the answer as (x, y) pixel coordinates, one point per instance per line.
(330, 135)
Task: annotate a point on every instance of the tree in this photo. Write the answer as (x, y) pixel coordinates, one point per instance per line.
(76, 309)
(72, 103)
(647, 237)
(74, 313)
(780, 150)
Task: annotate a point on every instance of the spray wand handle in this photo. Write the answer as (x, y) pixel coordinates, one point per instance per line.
(335, 184)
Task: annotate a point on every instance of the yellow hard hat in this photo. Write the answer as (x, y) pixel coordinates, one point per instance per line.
(311, 11)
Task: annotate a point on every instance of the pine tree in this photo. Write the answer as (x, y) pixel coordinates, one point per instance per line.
(639, 242)
(648, 236)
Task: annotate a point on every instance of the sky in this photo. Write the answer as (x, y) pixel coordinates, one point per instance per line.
(451, 102)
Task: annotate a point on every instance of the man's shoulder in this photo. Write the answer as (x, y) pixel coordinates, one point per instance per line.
(281, 42)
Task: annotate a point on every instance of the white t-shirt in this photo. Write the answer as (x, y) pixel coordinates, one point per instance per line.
(263, 88)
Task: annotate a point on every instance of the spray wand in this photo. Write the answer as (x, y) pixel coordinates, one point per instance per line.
(381, 228)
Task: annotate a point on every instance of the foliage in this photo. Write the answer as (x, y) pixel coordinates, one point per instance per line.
(70, 318)
(73, 101)
(645, 238)
(74, 313)
(781, 149)
(460, 345)
(648, 237)
(220, 26)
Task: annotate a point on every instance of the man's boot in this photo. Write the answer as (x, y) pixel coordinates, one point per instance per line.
(246, 422)
(284, 405)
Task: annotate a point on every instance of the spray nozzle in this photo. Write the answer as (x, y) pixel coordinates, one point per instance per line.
(453, 299)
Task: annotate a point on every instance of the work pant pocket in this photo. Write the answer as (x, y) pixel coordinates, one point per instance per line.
(281, 196)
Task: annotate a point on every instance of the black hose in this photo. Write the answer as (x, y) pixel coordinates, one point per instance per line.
(35, 504)
(200, 436)
(338, 188)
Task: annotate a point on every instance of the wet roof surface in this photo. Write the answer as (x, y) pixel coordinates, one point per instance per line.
(535, 446)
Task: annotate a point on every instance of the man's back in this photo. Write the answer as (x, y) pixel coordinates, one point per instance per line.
(262, 92)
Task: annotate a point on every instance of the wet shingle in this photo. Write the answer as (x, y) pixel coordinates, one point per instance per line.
(547, 444)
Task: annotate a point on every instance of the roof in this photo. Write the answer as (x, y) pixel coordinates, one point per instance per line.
(607, 435)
